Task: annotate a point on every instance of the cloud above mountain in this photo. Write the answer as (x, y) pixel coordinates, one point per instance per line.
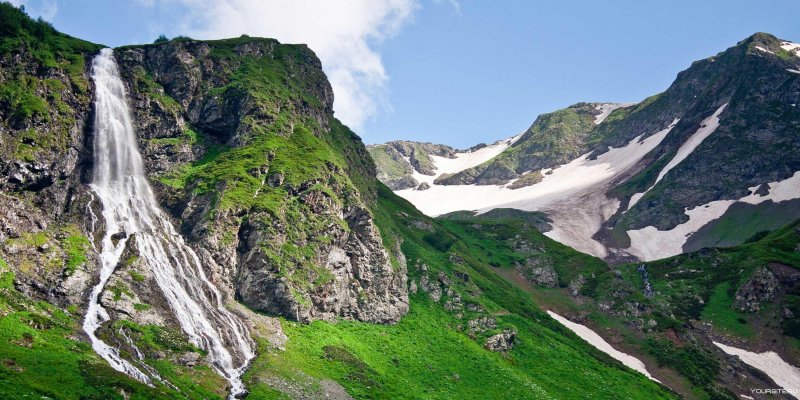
(343, 33)
(45, 9)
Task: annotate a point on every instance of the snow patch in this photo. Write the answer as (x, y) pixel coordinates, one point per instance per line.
(784, 374)
(791, 47)
(471, 159)
(707, 127)
(606, 109)
(600, 344)
(764, 50)
(650, 243)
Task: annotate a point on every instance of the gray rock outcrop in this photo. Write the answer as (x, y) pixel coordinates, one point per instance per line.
(503, 341)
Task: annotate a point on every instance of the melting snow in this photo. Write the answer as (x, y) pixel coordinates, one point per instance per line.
(707, 127)
(791, 47)
(462, 161)
(600, 344)
(764, 50)
(606, 109)
(573, 189)
(650, 243)
(784, 374)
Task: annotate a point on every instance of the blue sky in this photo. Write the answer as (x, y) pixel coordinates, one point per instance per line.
(457, 72)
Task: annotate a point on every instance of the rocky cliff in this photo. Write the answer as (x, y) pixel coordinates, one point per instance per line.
(45, 109)
(241, 144)
(240, 139)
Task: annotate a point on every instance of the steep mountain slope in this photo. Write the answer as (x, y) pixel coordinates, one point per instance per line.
(552, 140)
(261, 170)
(646, 181)
(459, 308)
(668, 313)
(279, 202)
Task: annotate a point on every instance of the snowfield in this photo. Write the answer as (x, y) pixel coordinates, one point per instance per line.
(651, 244)
(600, 344)
(784, 374)
(572, 194)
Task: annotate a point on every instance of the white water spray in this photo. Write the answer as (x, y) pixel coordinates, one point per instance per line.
(130, 206)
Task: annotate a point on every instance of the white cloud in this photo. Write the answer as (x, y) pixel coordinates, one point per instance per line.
(46, 9)
(343, 33)
(454, 3)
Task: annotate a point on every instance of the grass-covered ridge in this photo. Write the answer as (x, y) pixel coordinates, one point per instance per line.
(280, 136)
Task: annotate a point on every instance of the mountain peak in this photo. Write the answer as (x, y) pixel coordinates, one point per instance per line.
(761, 43)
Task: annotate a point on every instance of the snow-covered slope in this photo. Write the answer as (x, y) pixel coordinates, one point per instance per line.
(606, 109)
(707, 127)
(464, 160)
(651, 244)
(572, 194)
(624, 181)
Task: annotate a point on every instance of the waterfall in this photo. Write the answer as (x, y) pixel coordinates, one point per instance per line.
(129, 206)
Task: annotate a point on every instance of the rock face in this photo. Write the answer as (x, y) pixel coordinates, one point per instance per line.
(481, 324)
(45, 113)
(398, 160)
(354, 279)
(502, 341)
(576, 285)
(228, 156)
(761, 288)
(538, 271)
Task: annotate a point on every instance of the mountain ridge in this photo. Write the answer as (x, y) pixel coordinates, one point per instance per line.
(753, 77)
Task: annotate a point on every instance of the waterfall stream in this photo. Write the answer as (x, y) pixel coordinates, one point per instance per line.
(129, 205)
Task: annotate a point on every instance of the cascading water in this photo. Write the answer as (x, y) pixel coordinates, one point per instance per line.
(130, 206)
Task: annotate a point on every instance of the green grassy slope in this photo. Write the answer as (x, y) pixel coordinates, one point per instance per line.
(430, 353)
(41, 356)
(693, 287)
(43, 86)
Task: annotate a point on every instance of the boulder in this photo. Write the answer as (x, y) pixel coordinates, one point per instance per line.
(503, 341)
(761, 288)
